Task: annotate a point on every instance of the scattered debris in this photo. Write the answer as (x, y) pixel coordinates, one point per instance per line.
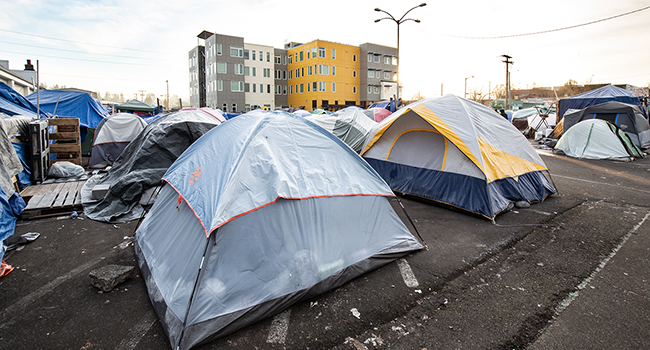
(522, 204)
(355, 313)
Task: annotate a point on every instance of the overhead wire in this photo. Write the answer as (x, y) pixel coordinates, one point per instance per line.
(81, 52)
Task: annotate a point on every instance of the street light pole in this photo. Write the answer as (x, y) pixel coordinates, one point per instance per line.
(398, 22)
(466, 85)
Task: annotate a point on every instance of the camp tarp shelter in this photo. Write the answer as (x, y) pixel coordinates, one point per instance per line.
(377, 114)
(12, 103)
(66, 103)
(352, 126)
(627, 117)
(604, 94)
(135, 106)
(143, 163)
(112, 136)
(262, 212)
(457, 152)
(597, 139)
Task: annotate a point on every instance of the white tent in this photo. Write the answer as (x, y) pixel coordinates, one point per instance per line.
(352, 126)
(113, 134)
(597, 139)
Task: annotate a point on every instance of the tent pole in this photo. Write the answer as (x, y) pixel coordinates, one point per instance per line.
(412, 224)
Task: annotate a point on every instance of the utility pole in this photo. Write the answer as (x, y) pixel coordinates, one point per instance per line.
(167, 81)
(508, 63)
(142, 94)
(441, 93)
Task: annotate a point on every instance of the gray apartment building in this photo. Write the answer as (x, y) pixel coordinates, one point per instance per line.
(378, 72)
(280, 76)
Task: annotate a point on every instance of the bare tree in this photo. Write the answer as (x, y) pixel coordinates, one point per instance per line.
(418, 96)
(477, 95)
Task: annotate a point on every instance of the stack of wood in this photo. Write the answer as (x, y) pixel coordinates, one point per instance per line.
(67, 138)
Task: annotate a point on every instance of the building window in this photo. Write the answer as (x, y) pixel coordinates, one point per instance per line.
(290, 59)
(267, 72)
(377, 74)
(290, 89)
(254, 87)
(354, 58)
(323, 69)
(236, 86)
(247, 87)
(302, 88)
(254, 71)
(268, 88)
(371, 73)
(376, 89)
(284, 59)
(284, 75)
(236, 51)
(248, 107)
(278, 59)
(301, 54)
(309, 87)
(234, 107)
(290, 74)
(268, 57)
(261, 88)
(321, 52)
(219, 85)
(261, 56)
(225, 107)
(369, 57)
(313, 52)
(333, 54)
(221, 67)
(302, 71)
(313, 86)
(219, 49)
(246, 54)
(284, 89)
(321, 86)
(308, 70)
(254, 55)
(394, 61)
(247, 71)
(369, 89)
(377, 59)
(333, 87)
(354, 73)
(239, 69)
(386, 59)
(354, 89)
(387, 75)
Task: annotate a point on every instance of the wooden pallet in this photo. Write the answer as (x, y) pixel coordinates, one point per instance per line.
(67, 138)
(52, 199)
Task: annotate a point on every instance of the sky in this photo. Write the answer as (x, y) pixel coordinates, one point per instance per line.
(136, 47)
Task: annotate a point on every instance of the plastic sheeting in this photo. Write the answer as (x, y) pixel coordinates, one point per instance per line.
(351, 126)
(10, 207)
(284, 195)
(75, 104)
(9, 164)
(143, 163)
(13, 103)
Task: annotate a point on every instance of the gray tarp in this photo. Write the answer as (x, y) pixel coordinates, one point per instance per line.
(143, 163)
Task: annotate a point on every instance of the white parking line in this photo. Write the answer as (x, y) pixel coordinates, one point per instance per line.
(407, 273)
(135, 335)
(279, 328)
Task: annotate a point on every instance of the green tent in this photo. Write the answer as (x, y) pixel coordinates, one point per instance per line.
(134, 105)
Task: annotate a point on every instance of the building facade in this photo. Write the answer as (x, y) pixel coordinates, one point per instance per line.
(379, 64)
(319, 74)
(23, 81)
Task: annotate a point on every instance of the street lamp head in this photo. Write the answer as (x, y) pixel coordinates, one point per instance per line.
(417, 20)
(377, 20)
(377, 9)
(423, 4)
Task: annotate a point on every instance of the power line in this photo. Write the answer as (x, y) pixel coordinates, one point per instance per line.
(95, 78)
(546, 31)
(75, 51)
(79, 42)
(85, 60)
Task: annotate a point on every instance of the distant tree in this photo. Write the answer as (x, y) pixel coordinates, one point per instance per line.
(569, 88)
(477, 95)
(499, 92)
(418, 96)
(150, 98)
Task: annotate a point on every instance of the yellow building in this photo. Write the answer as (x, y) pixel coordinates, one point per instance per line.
(323, 74)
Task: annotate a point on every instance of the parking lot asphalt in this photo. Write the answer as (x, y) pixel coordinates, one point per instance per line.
(571, 272)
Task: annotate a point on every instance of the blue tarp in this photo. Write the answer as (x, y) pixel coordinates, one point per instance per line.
(13, 103)
(604, 94)
(10, 209)
(72, 104)
(24, 177)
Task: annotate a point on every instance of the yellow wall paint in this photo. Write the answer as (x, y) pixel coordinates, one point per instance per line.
(344, 78)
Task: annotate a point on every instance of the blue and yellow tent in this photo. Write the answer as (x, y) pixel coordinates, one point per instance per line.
(457, 152)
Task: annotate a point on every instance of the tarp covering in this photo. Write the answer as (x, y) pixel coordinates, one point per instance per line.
(113, 135)
(9, 163)
(290, 211)
(458, 152)
(75, 104)
(134, 105)
(594, 97)
(143, 163)
(13, 103)
(352, 126)
(627, 117)
(10, 208)
(597, 139)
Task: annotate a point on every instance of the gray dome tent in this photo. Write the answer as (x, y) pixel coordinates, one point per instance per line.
(262, 212)
(627, 117)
